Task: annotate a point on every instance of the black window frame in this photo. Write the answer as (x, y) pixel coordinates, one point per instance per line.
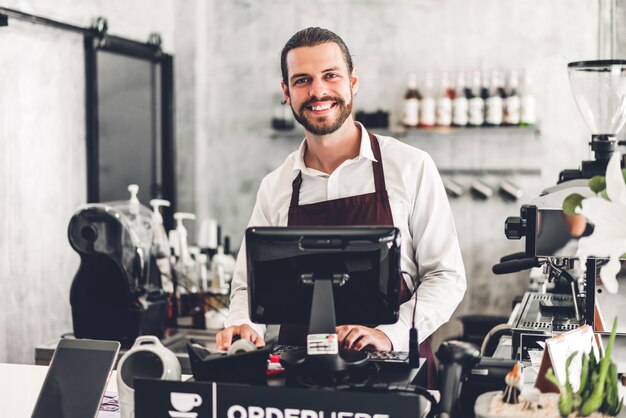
(94, 42)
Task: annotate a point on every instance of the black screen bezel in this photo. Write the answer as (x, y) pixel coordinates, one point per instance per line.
(108, 348)
(286, 244)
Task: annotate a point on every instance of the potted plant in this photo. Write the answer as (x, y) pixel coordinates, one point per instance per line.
(598, 391)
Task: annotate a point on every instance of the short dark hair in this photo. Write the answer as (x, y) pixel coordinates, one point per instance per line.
(313, 37)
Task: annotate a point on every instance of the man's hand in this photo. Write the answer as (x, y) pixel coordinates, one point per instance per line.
(224, 338)
(357, 337)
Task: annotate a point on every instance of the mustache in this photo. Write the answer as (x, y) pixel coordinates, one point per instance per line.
(312, 100)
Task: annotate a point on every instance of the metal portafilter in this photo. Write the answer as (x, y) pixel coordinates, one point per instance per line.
(481, 190)
(510, 191)
(453, 189)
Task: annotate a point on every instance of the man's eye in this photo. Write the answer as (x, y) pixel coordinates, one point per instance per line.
(300, 81)
(331, 75)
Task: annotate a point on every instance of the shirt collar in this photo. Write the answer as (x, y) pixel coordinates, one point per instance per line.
(365, 150)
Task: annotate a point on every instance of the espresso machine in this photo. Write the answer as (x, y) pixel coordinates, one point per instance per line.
(117, 293)
(599, 89)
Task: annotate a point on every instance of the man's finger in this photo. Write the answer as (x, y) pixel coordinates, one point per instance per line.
(353, 336)
(258, 341)
(227, 338)
(365, 341)
(343, 331)
(245, 332)
(218, 339)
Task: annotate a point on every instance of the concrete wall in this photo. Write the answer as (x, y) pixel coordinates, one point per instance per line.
(42, 158)
(227, 75)
(237, 52)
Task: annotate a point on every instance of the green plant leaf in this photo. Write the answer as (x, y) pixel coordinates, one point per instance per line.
(584, 374)
(550, 377)
(568, 362)
(595, 401)
(572, 202)
(597, 184)
(604, 195)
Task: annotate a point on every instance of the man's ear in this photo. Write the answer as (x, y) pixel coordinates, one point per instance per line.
(286, 96)
(354, 81)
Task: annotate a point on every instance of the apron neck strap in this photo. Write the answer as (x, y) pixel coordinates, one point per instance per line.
(295, 190)
(377, 168)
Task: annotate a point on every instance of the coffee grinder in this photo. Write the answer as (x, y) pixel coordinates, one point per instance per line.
(599, 89)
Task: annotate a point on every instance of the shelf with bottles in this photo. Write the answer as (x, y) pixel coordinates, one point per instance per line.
(401, 133)
(487, 101)
(530, 131)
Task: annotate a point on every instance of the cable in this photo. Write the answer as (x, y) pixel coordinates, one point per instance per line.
(414, 349)
(340, 380)
(414, 389)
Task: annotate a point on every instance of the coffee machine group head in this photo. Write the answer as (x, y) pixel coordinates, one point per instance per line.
(599, 89)
(117, 292)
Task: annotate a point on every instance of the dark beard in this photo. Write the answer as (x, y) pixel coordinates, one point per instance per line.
(322, 128)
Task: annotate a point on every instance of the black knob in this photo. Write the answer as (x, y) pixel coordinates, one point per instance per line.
(523, 211)
(514, 227)
(89, 233)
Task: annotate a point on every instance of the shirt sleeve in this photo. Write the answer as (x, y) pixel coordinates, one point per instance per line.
(440, 268)
(238, 310)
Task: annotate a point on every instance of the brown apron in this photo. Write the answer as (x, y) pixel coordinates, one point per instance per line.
(367, 209)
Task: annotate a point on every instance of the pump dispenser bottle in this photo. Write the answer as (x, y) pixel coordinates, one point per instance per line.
(161, 247)
(134, 207)
(222, 267)
(181, 233)
(160, 237)
(185, 266)
(133, 201)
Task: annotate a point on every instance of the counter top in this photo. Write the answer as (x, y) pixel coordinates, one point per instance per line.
(175, 339)
(20, 385)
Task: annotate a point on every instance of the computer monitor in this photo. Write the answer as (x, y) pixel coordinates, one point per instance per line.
(324, 277)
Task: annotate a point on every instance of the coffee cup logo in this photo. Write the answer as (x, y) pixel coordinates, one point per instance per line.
(183, 403)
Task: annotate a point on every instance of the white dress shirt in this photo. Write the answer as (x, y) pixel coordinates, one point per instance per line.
(420, 208)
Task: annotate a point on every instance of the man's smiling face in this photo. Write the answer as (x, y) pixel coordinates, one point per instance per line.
(320, 88)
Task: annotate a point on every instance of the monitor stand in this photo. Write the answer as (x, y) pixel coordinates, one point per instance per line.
(322, 352)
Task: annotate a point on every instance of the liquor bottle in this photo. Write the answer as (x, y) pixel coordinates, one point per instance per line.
(527, 114)
(476, 102)
(512, 102)
(444, 102)
(428, 103)
(410, 117)
(459, 104)
(494, 103)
